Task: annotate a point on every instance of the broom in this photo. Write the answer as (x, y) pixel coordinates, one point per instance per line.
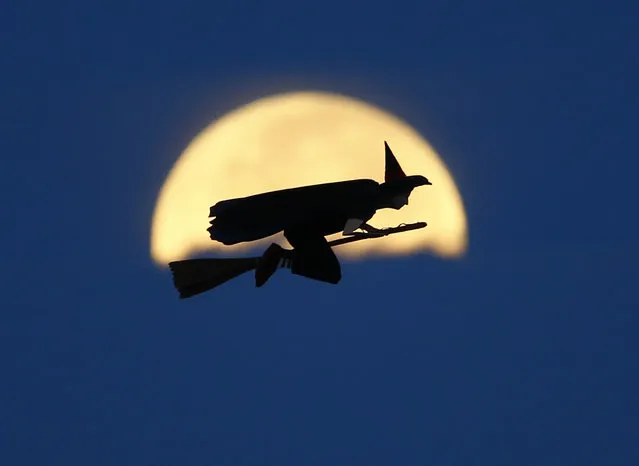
(195, 276)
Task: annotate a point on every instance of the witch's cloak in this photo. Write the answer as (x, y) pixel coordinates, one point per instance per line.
(321, 209)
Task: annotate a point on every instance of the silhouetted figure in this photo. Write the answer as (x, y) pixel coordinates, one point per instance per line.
(306, 215)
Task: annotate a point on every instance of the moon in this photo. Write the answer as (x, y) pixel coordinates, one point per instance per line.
(301, 138)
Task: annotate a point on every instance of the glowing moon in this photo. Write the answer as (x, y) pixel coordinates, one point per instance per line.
(297, 139)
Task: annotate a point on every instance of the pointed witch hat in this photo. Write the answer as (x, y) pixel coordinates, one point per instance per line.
(394, 175)
(393, 170)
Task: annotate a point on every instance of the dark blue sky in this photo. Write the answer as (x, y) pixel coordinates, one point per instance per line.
(524, 353)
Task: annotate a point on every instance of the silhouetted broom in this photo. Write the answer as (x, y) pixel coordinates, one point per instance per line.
(195, 276)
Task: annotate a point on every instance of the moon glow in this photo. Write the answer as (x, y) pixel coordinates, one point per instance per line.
(297, 139)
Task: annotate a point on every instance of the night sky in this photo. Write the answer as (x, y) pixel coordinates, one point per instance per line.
(522, 353)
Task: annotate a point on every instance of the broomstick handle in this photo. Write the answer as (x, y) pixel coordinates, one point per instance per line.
(384, 232)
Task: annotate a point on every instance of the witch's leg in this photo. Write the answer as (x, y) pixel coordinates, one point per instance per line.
(312, 257)
(273, 258)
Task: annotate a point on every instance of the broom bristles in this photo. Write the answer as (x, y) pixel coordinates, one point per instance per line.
(195, 276)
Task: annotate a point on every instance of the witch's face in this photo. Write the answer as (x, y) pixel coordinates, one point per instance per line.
(399, 201)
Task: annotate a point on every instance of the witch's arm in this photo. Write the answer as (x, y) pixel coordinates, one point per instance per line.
(355, 223)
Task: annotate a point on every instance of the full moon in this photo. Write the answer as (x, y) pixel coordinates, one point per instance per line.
(297, 139)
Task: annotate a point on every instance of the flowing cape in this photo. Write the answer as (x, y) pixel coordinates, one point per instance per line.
(321, 208)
